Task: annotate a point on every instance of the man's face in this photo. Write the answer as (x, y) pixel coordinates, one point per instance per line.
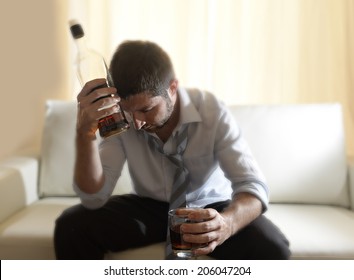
(148, 112)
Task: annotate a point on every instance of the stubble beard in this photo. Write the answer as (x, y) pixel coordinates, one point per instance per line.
(164, 121)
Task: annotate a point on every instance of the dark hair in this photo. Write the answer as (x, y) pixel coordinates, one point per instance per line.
(140, 66)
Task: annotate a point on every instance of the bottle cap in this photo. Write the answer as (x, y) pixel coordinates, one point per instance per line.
(76, 29)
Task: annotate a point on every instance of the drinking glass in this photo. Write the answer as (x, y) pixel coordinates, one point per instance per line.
(181, 248)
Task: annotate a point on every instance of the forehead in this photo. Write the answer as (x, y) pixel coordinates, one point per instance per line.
(139, 101)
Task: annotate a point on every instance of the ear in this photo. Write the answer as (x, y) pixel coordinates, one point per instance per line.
(173, 87)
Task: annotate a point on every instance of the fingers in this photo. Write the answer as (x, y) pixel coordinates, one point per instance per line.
(211, 230)
(105, 107)
(90, 86)
(95, 90)
(198, 214)
(203, 220)
(202, 214)
(201, 237)
(206, 249)
(95, 101)
(100, 109)
(107, 112)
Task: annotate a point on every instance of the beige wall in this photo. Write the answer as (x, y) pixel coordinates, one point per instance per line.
(34, 62)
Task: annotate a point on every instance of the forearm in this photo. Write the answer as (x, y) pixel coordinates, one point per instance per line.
(243, 209)
(88, 172)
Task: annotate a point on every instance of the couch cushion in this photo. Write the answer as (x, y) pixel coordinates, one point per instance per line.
(300, 149)
(315, 231)
(29, 233)
(58, 152)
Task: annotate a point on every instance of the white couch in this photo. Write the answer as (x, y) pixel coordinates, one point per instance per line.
(300, 148)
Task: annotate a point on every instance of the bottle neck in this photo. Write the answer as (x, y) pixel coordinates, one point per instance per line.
(81, 45)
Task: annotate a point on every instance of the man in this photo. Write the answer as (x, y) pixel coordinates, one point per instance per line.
(223, 178)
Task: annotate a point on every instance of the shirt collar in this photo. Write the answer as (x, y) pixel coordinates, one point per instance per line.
(188, 112)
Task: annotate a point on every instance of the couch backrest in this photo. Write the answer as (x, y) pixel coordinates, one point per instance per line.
(300, 148)
(58, 149)
(58, 152)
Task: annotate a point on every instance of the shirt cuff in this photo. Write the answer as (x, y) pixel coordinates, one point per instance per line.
(255, 189)
(91, 201)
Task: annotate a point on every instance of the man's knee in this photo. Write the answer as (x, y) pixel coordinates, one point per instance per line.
(69, 225)
(278, 248)
(70, 217)
(70, 235)
(267, 239)
(259, 240)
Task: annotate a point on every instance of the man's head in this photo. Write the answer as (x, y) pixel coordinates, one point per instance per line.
(144, 77)
(141, 66)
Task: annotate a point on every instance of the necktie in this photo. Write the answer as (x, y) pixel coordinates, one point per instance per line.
(181, 178)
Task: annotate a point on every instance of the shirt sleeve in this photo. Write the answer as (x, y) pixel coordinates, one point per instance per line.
(112, 159)
(257, 190)
(236, 159)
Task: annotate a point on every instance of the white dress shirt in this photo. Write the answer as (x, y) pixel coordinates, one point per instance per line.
(218, 159)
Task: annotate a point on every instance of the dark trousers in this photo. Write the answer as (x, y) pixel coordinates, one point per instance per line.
(129, 221)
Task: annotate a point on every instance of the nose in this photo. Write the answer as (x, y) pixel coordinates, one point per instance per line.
(138, 120)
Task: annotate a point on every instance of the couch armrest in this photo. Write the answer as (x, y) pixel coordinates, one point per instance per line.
(18, 184)
(351, 180)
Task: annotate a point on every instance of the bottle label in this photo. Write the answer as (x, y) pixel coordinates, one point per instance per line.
(113, 124)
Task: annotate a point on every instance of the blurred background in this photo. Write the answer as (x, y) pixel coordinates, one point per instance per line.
(244, 51)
